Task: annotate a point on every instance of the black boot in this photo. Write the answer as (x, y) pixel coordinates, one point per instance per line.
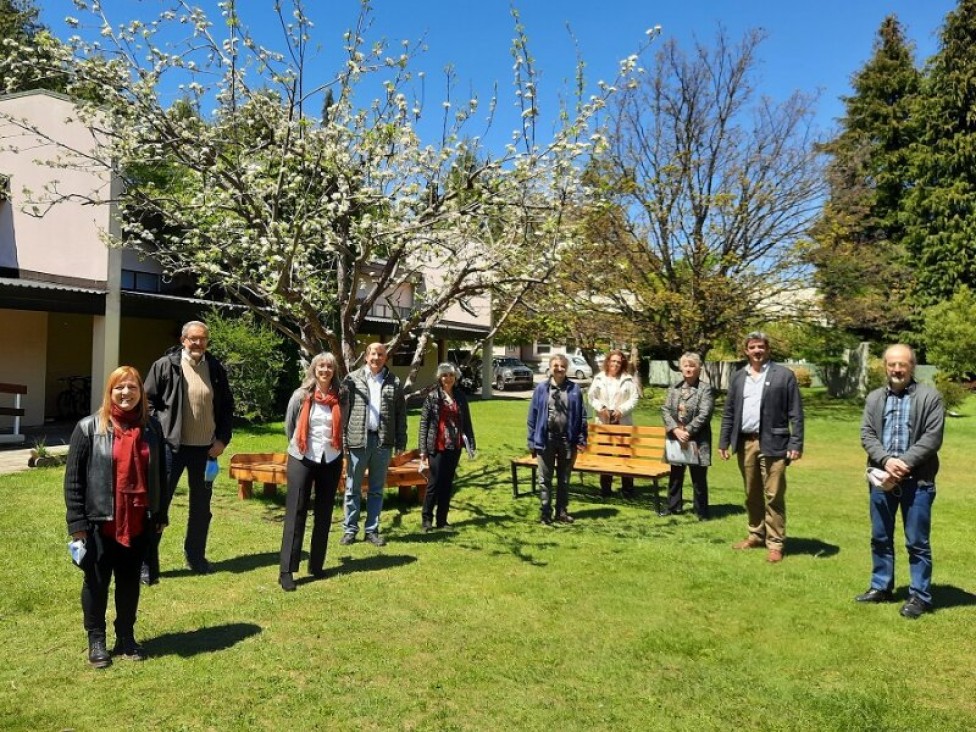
(98, 655)
(128, 647)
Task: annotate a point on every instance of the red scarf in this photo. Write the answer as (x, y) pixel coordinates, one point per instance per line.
(130, 456)
(301, 429)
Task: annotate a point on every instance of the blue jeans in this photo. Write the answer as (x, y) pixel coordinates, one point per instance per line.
(916, 514)
(376, 458)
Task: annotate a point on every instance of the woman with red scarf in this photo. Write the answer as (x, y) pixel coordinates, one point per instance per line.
(113, 492)
(313, 424)
(445, 430)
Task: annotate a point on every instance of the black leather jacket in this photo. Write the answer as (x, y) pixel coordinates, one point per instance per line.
(89, 477)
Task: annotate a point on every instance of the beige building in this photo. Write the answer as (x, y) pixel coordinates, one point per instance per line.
(72, 308)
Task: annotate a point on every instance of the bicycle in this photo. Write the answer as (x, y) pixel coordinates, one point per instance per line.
(74, 401)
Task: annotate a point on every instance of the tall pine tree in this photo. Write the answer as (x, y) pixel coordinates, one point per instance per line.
(858, 242)
(941, 210)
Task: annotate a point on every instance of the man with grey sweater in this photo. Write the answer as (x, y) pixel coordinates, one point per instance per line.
(902, 432)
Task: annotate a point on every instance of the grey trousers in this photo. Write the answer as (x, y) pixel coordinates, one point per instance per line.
(558, 457)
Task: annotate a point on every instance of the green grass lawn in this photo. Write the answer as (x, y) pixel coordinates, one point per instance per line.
(622, 621)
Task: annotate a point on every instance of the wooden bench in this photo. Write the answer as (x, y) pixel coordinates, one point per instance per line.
(16, 411)
(271, 468)
(620, 450)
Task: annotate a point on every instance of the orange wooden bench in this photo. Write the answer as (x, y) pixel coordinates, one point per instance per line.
(271, 469)
(624, 450)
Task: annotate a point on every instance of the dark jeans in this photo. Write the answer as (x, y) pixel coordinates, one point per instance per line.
(699, 483)
(555, 463)
(192, 459)
(302, 475)
(440, 483)
(106, 557)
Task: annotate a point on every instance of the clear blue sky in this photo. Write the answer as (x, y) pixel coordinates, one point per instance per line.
(812, 46)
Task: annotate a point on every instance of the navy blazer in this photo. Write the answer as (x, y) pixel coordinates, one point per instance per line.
(780, 413)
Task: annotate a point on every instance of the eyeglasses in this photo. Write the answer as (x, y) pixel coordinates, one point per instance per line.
(201, 339)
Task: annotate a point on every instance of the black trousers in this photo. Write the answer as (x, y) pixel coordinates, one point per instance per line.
(699, 483)
(192, 459)
(105, 557)
(302, 476)
(440, 485)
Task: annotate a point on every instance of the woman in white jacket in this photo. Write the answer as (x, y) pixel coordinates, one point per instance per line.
(613, 396)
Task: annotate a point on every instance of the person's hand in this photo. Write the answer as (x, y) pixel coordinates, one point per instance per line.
(83, 535)
(681, 435)
(898, 468)
(793, 455)
(605, 415)
(160, 526)
(723, 453)
(216, 449)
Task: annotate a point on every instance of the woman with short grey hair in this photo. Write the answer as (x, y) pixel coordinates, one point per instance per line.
(445, 430)
(687, 414)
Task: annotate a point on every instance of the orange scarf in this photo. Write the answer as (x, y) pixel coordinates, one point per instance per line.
(301, 429)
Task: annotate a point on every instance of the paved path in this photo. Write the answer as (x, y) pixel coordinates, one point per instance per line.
(15, 460)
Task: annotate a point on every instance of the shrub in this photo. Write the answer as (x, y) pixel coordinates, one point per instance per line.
(803, 376)
(877, 377)
(953, 393)
(254, 358)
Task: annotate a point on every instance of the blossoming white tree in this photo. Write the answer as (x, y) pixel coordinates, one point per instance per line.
(309, 220)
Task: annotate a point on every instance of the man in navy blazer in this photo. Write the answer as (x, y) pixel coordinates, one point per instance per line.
(763, 425)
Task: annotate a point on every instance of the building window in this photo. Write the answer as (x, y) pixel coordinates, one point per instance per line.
(543, 348)
(403, 355)
(140, 281)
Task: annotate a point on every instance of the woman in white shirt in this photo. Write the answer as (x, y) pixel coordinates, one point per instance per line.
(313, 424)
(613, 396)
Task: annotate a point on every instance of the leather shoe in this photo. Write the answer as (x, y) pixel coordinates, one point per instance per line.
(426, 526)
(347, 539)
(287, 582)
(444, 525)
(545, 521)
(128, 647)
(775, 556)
(750, 542)
(565, 518)
(873, 595)
(147, 577)
(914, 608)
(199, 566)
(98, 655)
(375, 539)
(317, 573)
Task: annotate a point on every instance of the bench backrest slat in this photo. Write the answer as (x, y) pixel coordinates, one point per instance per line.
(625, 442)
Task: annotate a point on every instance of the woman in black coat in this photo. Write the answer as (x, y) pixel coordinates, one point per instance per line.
(114, 495)
(445, 430)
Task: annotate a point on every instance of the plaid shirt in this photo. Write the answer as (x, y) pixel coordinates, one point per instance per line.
(894, 432)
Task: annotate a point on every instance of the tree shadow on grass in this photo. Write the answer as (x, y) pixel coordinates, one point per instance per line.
(374, 563)
(814, 547)
(203, 640)
(945, 596)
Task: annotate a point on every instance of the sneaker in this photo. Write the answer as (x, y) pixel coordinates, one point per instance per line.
(565, 518)
(128, 647)
(375, 539)
(347, 539)
(545, 521)
(444, 525)
(98, 656)
(426, 526)
(914, 608)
